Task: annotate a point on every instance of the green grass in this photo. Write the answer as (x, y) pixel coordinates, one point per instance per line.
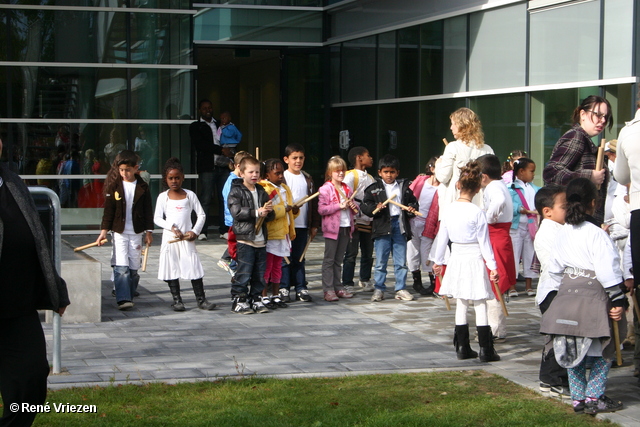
(468, 398)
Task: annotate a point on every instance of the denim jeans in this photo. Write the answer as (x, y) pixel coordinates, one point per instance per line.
(211, 183)
(294, 274)
(251, 265)
(362, 240)
(126, 282)
(384, 245)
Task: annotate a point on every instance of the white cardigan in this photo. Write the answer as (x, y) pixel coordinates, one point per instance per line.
(627, 165)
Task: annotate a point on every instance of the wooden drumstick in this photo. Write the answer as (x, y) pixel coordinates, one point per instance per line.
(445, 141)
(286, 259)
(444, 297)
(306, 199)
(260, 220)
(502, 304)
(600, 158)
(346, 198)
(403, 207)
(305, 249)
(175, 240)
(145, 258)
(616, 337)
(376, 210)
(90, 245)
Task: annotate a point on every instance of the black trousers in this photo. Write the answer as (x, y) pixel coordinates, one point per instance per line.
(550, 372)
(23, 367)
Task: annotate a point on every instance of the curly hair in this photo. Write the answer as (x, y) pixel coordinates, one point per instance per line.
(514, 155)
(469, 127)
(170, 164)
(125, 157)
(470, 177)
(269, 165)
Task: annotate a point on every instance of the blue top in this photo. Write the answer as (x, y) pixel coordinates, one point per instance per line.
(517, 203)
(230, 135)
(228, 219)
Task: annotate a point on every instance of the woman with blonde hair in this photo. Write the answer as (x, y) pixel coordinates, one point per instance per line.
(469, 145)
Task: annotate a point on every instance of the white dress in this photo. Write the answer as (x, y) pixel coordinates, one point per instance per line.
(466, 275)
(178, 260)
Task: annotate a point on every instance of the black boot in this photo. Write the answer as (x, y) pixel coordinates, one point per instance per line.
(485, 338)
(461, 343)
(429, 290)
(417, 283)
(198, 289)
(174, 287)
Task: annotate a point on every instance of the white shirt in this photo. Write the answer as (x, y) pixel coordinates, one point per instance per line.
(259, 235)
(392, 189)
(626, 261)
(425, 200)
(588, 247)
(464, 223)
(129, 192)
(498, 205)
(364, 180)
(543, 245)
(298, 185)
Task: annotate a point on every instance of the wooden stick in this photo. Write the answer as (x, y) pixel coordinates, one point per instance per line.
(346, 198)
(175, 240)
(403, 207)
(444, 297)
(260, 220)
(305, 249)
(286, 259)
(90, 245)
(145, 257)
(306, 199)
(616, 336)
(502, 304)
(376, 210)
(257, 152)
(600, 158)
(445, 141)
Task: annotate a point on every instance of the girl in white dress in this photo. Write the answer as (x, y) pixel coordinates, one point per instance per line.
(178, 256)
(466, 279)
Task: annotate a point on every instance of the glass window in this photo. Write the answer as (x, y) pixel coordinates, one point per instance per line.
(455, 55)
(358, 60)
(621, 98)
(497, 48)
(434, 125)
(335, 72)
(431, 58)
(398, 135)
(360, 122)
(564, 44)
(143, 4)
(408, 61)
(618, 38)
(387, 65)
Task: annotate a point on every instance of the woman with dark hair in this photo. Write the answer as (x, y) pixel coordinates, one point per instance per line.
(574, 155)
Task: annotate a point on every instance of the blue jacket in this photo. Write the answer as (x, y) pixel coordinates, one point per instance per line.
(517, 203)
(228, 219)
(230, 135)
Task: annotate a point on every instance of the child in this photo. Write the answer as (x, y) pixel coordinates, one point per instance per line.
(337, 225)
(306, 223)
(227, 261)
(424, 188)
(590, 294)
(248, 202)
(550, 203)
(466, 226)
(390, 228)
(498, 208)
(524, 225)
(180, 259)
(281, 230)
(358, 179)
(127, 212)
(507, 167)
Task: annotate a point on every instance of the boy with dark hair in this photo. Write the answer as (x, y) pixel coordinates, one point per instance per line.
(358, 179)
(306, 223)
(390, 227)
(248, 202)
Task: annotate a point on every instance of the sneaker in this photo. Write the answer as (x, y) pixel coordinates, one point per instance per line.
(559, 391)
(303, 295)
(330, 296)
(545, 388)
(259, 307)
(226, 266)
(404, 295)
(266, 301)
(125, 305)
(603, 404)
(241, 306)
(531, 292)
(513, 294)
(366, 286)
(378, 295)
(578, 406)
(113, 293)
(278, 302)
(284, 295)
(344, 293)
(352, 289)
(202, 237)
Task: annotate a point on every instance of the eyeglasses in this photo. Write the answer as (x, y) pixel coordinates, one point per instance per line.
(600, 116)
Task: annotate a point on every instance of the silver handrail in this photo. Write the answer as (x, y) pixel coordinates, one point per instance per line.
(57, 260)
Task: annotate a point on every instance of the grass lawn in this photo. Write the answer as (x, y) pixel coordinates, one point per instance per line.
(467, 398)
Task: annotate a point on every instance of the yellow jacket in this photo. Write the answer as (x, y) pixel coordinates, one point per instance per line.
(278, 228)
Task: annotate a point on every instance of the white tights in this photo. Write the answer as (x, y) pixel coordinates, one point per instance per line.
(480, 307)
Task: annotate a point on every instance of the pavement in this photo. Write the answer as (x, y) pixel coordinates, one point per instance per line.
(151, 342)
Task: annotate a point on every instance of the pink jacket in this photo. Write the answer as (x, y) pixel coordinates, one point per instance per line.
(329, 208)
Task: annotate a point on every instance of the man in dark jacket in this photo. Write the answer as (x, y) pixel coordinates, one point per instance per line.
(212, 163)
(28, 282)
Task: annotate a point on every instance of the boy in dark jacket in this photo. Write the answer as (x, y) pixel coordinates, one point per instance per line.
(390, 228)
(250, 208)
